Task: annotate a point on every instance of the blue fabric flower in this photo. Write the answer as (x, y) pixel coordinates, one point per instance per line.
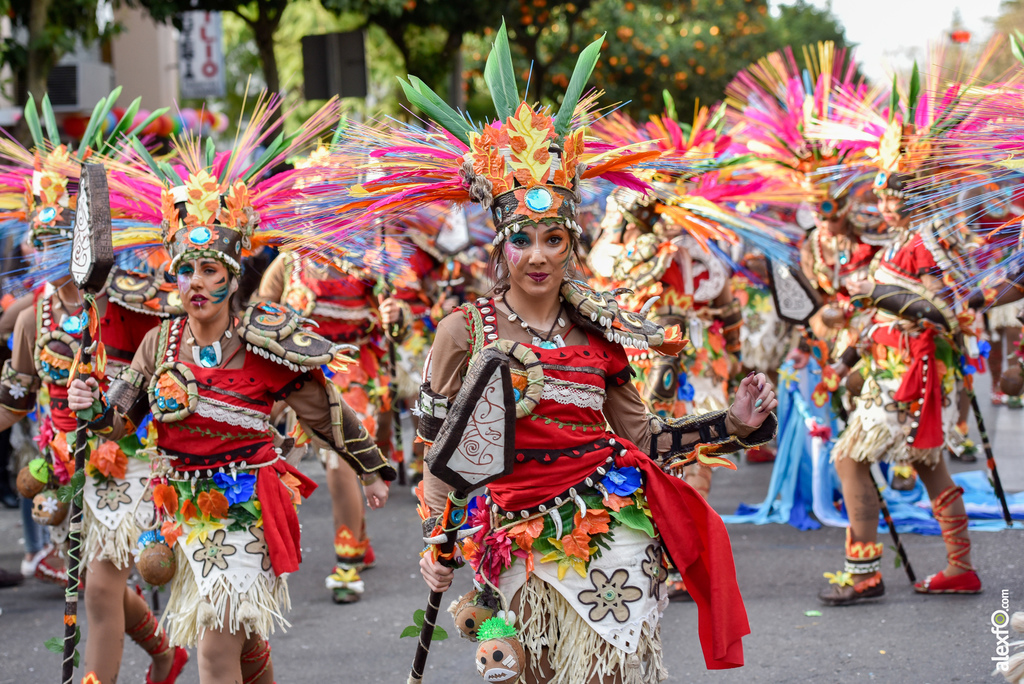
(984, 348)
(237, 491)
(685, 391)
(622, 481)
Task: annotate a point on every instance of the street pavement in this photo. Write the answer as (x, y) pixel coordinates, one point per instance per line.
(904, 638)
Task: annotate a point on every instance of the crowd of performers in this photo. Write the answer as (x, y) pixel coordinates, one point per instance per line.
(583, 312)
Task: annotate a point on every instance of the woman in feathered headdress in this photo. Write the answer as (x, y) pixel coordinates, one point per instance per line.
(575, 485)
(223, 490)
(46, 338)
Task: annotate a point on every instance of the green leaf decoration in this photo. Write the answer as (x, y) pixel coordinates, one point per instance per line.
(670, 105)
(147, 159)
(272, 150)
(580, 75)
(427, 101)
(500, 76)
(915, 92)
(211, 152)
(50, 120)
(1015, 46)
(634, 518)
(122, 124)
(897, 561)
(418, 617)
(894, 100)
(32, 121)
(171, 174)
(55, 645)
(40, 469)
(156, 114)
(94, 125)
(129, 444)
(410, 631)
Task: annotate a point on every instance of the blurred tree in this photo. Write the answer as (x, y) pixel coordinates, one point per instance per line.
(691, 48)
(44, 31)
(428, 34)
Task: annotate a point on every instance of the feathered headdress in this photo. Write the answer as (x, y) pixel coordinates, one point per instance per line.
(526, 166)
(211, 204)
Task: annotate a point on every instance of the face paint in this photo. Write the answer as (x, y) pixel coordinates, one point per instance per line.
(222, 292)
(513, 253)
(185, 274)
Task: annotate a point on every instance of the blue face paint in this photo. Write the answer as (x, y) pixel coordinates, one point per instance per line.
(221, 293)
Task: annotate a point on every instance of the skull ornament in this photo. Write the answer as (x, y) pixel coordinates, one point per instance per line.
(501, 660)
(469, 616)
(47, 509)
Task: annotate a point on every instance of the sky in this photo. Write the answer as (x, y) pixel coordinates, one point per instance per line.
(892, 33)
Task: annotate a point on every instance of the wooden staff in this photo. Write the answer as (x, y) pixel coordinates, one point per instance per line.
(990, 458)
(92, 257)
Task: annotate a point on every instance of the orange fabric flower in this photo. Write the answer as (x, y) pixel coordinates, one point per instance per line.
(188, 510)
(595, 522)
(166, 497)
(293, 484)
(577, 543)
(357, 400)
(525, 532)
(170, 530)
(616, 502)
(108, 459)
(213, 504)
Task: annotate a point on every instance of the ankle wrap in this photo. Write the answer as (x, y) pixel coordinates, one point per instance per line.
(148, 635)
(862, 557)
(258, 655)
(348, 549)
(957, 546)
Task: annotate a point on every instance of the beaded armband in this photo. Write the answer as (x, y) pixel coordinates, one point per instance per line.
(914, 303)
(432, 409)
(713, 439)
(124, 398)
(17, 390)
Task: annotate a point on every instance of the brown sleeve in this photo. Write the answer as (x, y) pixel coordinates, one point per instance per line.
(322, 413)
(627, 415)
(22, 362)
(9, 318)
(448, 358)
(272, 285)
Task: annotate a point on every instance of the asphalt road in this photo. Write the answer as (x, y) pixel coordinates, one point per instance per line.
(904, 638)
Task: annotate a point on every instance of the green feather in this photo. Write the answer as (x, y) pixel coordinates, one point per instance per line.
(272, 150)
(171, 174)
(894, 101)
(1015, 46)
(94, 124)
(146, 157)
(670, 105)
(32, 121)
(50, 121)
(211, 153)
(428, 102)
(915, 92)
(340, 129)
(500, 76)
(148, 120)
(108, 104)
(580, 75)
(122, 124)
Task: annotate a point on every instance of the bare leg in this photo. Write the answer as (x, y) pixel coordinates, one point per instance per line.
(104, 609)
(220, 654)
(346, 498)
(141, 626)
(861, 499)
(257, 667)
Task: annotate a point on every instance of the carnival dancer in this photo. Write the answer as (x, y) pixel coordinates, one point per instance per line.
(575, 484)
(225, 493)
(340, 300)
(45, 343)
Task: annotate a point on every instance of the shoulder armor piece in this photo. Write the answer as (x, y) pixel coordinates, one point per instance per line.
(601, 311)
(275, 332)
(144, 293)
(644, 265)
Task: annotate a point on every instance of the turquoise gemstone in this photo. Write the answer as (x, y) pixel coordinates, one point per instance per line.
(547, 344)
(200, 235)
(73, 325)
(47, 214)
(516, 394)
(538, 199)
(208, 357)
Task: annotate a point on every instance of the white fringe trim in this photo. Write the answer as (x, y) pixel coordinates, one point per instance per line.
(259, 610)
(575, 652)
(104, 544)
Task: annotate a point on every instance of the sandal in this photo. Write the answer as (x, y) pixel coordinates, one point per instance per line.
(965, 583)
(843, 591)
(180, 660)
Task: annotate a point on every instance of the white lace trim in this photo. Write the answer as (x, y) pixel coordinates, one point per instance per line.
(348, 313)
(213, 409)
(573, 394)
